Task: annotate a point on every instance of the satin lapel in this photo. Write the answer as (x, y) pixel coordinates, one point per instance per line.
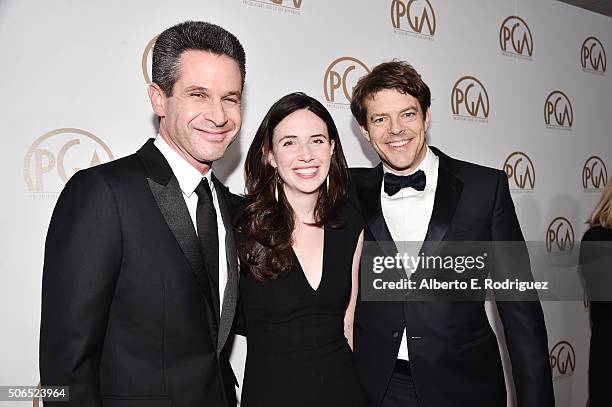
(448, 192)
(173, 208)
(368, 193)
(168, 196)
(230, 295)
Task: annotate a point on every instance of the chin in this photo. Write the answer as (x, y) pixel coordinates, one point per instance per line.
(308, 190)
(404, 164)
(210, 156)
(399, 165)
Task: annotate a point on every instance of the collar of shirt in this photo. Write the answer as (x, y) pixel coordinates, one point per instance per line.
(429, 166)
(187, 176)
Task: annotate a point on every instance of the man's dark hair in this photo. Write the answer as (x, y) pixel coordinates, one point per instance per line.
(397, 75)
(191, 35)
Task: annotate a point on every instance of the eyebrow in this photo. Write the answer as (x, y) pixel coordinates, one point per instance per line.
(289, 136)
(292, 136)
(236, 93)
(410, 107)
(196, 88)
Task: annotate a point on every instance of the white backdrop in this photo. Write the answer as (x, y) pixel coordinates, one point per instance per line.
(75, 95)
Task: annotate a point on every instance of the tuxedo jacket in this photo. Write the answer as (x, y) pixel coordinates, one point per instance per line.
(454, 354)
(128, 316)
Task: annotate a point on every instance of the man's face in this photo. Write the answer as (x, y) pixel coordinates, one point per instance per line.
(203, 116)
(396, 126)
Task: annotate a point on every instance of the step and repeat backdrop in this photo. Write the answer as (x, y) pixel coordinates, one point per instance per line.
(517, 85)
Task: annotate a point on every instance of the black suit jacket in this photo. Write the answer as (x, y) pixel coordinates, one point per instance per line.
(128, 316)
(453, 351)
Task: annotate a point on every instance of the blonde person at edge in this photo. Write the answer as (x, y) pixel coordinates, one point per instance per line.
(596, 268)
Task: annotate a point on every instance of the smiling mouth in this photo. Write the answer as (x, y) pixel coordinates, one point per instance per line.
(308, 172)
(214, 136)
(398, 143)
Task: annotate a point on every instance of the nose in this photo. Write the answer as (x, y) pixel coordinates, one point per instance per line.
(394, 127)
(304, 153)
(215, 113)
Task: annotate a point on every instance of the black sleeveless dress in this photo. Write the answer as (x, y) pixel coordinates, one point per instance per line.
(297, 354)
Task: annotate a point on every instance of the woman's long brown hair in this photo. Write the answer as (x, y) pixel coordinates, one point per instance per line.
(265, 225)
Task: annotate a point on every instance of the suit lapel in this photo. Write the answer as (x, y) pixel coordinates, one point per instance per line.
(368, 194)
(231, 288)
(448, 192)
(168, 196)
(369, 199)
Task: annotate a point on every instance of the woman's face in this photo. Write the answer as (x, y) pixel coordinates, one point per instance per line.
(301, 150)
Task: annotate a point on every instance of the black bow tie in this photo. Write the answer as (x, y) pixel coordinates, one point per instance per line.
(393, 183)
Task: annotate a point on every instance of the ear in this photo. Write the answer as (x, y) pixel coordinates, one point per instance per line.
(365, 133)
(271, 159)
(427, 119)
(332, 146)
(158, 99)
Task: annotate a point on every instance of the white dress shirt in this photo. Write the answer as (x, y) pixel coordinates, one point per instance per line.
(189, 178)
(408, 212)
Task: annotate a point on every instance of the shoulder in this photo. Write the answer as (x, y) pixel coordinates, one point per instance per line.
(107, 173)
(236, 201)
(364, 183)
(96, 190)
(120, 166)
(359, 171)
(121, 172)
(118, 184)
(481, 173)
(595, 245)
(471, 173)
(597, 233)
(364, 175)
(350, 218)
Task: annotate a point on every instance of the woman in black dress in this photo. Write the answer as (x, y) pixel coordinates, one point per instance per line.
(596, 267)
(299, 251)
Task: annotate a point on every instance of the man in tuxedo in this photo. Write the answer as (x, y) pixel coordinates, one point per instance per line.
(436, 353)
(140, 274)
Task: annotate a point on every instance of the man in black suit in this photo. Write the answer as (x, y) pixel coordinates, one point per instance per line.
(436, 353)
(140, 273)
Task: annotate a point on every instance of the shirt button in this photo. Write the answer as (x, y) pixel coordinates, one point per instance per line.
(395, 334)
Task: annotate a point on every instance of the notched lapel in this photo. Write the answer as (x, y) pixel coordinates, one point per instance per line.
(173, 208)
(168, 196)
(230, 296)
